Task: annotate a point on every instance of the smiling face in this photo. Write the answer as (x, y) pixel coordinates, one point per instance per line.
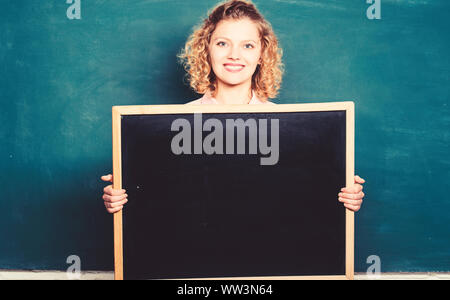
(235, 51)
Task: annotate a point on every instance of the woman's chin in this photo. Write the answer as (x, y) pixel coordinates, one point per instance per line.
(233, 82)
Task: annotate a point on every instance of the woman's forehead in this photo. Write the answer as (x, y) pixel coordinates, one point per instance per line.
(238, 30)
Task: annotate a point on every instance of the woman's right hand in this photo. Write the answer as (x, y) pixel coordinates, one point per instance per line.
(114, 199)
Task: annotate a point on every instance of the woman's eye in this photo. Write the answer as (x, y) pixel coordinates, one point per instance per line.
(221, 44)
(249, 46)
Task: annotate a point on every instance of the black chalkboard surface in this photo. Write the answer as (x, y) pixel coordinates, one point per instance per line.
(199, 214)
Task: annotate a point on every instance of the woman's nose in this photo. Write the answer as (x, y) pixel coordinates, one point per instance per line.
(234, 53)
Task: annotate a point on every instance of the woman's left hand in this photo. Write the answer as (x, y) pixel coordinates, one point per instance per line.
(353, 197)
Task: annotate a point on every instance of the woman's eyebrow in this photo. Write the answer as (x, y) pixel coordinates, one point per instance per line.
(224, 38)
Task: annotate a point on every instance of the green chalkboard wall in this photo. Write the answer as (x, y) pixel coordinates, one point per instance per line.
(60, 77)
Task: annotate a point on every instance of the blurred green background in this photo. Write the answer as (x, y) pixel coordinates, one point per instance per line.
(60, 77)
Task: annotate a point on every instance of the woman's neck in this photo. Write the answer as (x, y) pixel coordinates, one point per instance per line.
(241, 94)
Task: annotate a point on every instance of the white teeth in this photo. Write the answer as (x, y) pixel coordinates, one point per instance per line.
(234, 67)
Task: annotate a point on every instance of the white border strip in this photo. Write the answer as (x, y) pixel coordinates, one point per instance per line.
(52, 275)
(95, 275)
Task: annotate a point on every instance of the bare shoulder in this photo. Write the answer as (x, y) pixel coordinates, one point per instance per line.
(199, 102)
(267, 102)
(195, 102)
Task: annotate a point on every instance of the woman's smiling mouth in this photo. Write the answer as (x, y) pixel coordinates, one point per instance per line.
(234, 68)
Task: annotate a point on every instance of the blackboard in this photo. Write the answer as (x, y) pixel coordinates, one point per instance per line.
(200, 214)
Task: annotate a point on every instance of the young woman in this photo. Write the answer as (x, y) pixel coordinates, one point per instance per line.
(234, 58)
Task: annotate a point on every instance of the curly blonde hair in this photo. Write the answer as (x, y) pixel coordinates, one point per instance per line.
(266, 80)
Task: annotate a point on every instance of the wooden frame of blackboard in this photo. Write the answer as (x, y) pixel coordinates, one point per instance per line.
(347, 106)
